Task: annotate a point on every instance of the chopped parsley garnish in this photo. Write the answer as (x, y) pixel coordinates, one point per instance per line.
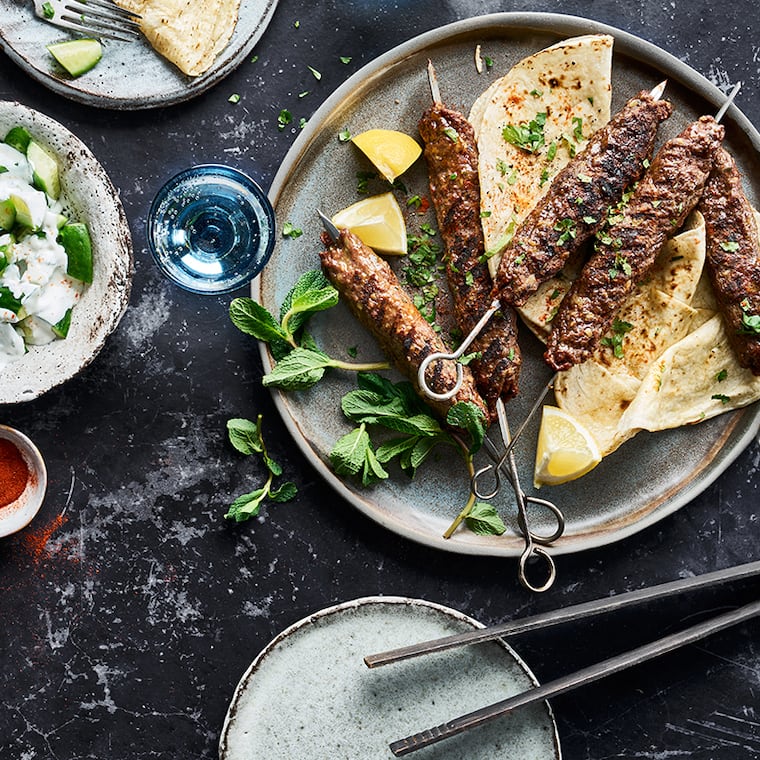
(730, 246)
(567, 229)
(234, 98)
(502, 166)
(721, 397)
(422, 269)
(284, 118)
(488, 61)
(585, 179)
(414, 200)
(544, 177)
(615, 341)
(589, 220)
(345, 59)
(722, 375)
(303, 94)
(451, 133)
(536, 93)
(344, 135)
(47, 10)
(316, 74)
(620, 265)
(528, 136)
(503, 240)
(362, 186)
(750, 322)
(289, 230)
(578, 128)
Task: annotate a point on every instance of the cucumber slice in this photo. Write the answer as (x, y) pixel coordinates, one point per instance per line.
(18, 138)
(7, 215)
(45, 170)
(75, 240)
(77, 56)
(23, 212)
(61, 329)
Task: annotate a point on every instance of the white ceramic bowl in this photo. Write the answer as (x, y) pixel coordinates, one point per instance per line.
(18, 514)
(90, 197)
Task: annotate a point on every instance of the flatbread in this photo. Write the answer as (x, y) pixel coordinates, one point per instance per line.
(189, 33)
(677, 366)
(570, 83)
(599, 390)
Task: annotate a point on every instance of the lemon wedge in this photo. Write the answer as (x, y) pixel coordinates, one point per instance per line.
(390, 151)
(565, 450)
(377, 221)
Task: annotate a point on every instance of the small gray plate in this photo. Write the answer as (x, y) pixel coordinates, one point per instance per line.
(309, 694)
(131, 75)
(650, 476)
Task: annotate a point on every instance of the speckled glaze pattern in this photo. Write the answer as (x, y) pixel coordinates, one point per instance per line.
(309, 687)
(89, 196)
(130, 74)
(661, 472)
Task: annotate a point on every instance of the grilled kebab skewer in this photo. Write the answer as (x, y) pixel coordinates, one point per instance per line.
(624, 255)
(451, 153)
(575, 206)
(374, 295)
(733, 257)
(615, 155)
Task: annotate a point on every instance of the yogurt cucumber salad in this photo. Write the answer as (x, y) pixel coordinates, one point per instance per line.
(45, 258)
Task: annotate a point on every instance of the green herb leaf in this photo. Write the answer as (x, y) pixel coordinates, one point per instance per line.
(484, 520)
(284, 118)
(234, 98)
(350, 452)
(315, 73)
(730, 246)
(285, 492)
(467, 416)
(253, 319)
(301, 368)
(289, 230)
(247, 505)
(344, 135)
(345, 59)
(528, 136)
(245, 435)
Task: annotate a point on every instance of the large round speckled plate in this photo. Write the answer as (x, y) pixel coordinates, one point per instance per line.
(309, 688)
(88, 196)
(646, 479)
(131, 75)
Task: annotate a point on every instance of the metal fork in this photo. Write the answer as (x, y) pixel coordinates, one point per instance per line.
(96, 18)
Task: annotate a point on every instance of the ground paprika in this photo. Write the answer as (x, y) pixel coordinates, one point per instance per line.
(14, 472)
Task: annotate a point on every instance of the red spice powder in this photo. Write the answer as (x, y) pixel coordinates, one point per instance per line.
(14, 472)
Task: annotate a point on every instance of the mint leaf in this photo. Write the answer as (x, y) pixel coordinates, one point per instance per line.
(245, 436)
(484, 520)
(246, 506)
(301, 368)
(312, 292)
(467, 416)
(253, 319)
(373, 471)
(350, 451)
(286, 492)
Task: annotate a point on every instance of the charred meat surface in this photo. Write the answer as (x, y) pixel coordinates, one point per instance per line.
(452, 157)
(374, 295)
(575, 206)
(733, 258)
(626, 250)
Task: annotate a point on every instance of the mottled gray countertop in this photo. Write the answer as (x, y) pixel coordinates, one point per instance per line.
(130, 608)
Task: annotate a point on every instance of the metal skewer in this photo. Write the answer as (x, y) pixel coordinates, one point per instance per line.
(534, 543)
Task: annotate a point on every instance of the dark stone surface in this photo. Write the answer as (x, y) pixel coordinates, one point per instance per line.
(124, 633)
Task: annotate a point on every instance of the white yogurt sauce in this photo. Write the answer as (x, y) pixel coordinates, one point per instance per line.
(35, 265)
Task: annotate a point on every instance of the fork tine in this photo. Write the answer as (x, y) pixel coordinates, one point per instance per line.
(77, 26)
(93, 11)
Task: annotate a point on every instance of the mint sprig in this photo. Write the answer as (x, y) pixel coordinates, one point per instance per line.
(247, 438)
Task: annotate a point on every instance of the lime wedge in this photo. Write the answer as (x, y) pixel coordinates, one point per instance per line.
(77, 56)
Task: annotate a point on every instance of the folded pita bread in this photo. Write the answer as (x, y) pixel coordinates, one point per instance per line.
(189, 33)
(568, 85)
(676, 367)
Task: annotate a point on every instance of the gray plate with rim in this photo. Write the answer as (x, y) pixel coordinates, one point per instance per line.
(131, 75)
(309, 687)
(650, 476)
